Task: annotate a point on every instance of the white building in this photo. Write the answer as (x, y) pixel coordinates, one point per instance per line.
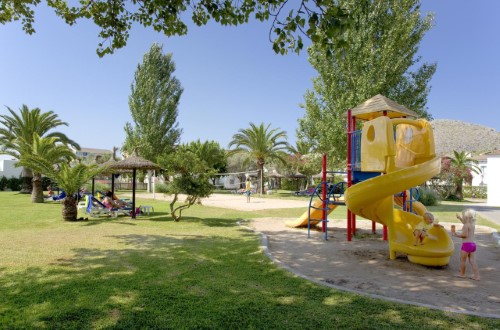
(493, 168)
(8, 168)
(481, 179)
(230, 181)
(89, 154)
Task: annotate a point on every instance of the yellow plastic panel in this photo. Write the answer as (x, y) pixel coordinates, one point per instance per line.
(316, 215)
(377, 145)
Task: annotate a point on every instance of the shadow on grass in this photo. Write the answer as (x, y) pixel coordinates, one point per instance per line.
(192, 281)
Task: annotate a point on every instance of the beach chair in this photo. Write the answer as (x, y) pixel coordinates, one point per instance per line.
(95, 208)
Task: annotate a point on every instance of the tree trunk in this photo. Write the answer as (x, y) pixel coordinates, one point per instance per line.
(37, 192)
(459, 191)
(260, 166)
(69, 211)
(26, 181)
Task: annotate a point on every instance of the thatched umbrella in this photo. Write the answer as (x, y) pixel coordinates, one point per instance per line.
(275, 176)
(109, 170)
(134, 163)
(297, 176)
(320, 175)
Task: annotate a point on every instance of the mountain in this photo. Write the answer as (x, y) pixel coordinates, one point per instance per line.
(456, 135)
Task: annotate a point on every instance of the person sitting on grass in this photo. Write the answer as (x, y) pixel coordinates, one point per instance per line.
(50, 193)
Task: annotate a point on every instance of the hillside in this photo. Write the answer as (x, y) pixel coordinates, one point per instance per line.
(457, 135)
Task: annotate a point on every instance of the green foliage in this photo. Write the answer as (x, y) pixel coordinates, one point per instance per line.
(3, 182)
(114, 19)
(46, 182)
(428, 197)
(211, 153)
(191, 177)
(20, 133)
(455, 171)
(379, 59)
(475, 192)
(260, 144)
(12, 183)
(153, 102)
(70, 179)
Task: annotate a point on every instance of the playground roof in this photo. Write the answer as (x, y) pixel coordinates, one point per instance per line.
(375, 107)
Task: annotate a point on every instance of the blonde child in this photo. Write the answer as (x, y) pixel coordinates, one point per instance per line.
(468, 250)
(420, 231)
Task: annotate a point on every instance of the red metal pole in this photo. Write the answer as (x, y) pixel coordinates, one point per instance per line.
(349, 173)
(404, 200)
(323, 193)
(353, 216)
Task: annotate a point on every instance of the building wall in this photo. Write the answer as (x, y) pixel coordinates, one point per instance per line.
(482, 178)
(494, 180)
(8, 169)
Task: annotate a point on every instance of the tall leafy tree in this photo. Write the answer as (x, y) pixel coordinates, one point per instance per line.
(18, 131)
(190, 177)
(212, 154)
(379, 59)
(114, 18)
(260, 144)
(153, 102)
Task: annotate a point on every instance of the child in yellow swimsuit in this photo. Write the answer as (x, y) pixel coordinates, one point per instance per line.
(420, 231)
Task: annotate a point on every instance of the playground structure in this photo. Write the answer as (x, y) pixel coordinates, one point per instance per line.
(386, 158)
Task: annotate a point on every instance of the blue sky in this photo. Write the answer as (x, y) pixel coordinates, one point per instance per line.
(230, 75)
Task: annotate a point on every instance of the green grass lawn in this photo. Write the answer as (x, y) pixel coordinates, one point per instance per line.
(202, 272)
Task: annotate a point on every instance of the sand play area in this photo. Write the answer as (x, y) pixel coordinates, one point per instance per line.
(363, 265)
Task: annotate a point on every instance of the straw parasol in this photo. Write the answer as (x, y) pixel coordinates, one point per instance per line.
(320, 175)
(134, 163)
(297, 176)
(109, 170)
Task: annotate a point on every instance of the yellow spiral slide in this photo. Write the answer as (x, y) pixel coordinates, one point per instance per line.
(407, 162)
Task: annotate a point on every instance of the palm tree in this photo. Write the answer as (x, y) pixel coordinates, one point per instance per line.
(69, 179)
(20, 128)
(212, 154)
(461, 165)
(260, 143)
(48, 149)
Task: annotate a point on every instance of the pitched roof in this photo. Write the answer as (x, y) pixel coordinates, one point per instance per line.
(375, 107)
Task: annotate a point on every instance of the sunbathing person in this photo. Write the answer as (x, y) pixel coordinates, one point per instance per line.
(110, 203)
(121, 202)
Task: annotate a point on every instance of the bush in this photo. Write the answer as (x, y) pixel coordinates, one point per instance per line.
(475, 192)
(428, 197)
(46, 182)
(3, 183)
(453, 198)
(162, 188)
(14, 184)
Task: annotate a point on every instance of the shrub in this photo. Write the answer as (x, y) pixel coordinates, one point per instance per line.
(162, 188)
(428, 197)
(453, 198)
(475, 192)
(46, 182)
(3, 183)
(14, 184)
